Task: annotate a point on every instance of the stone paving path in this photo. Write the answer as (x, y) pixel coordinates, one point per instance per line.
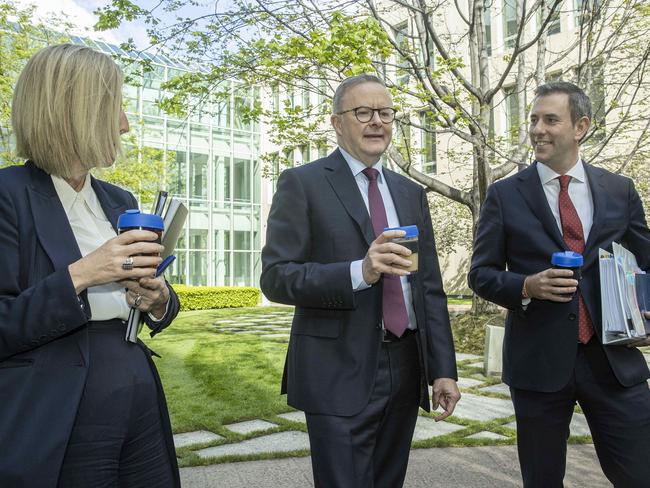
(484, 407)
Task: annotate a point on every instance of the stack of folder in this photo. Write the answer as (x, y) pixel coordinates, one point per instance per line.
(625, 296)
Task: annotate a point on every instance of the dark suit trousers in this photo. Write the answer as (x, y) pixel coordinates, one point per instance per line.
(618, 417)
(117, 438)
(371, 449)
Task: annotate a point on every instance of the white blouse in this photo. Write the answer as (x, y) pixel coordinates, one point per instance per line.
(91, 229)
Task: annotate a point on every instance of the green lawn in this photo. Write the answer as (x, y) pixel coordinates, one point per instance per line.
(212, 379)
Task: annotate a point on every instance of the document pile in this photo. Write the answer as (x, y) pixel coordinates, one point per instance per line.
(625, 295)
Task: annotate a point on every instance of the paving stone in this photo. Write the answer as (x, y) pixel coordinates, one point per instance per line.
(278, 442)
(486, 435)
(197, 437)
(294, 417)
(250, 426)
(468, 382)
(578, 426)
(501, 388)
(461, 356)
(482, 408)
(475, 365)
(427, 428)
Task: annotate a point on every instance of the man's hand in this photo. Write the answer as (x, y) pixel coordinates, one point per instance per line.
(385, 256)
(646, 341)
(445, 394)
(556, 285)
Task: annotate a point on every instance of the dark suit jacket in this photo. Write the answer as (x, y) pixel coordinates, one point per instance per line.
(516, 236)
(43, 335)
(317, 225)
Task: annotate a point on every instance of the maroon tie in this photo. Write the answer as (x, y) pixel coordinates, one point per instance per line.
(575, 239)
(394, 311)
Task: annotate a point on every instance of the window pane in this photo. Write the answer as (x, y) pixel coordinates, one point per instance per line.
(242, 269)
(177, 134)
(242, 240)
(222, 268)
(242, 180)
(199, 175)
(509, 22)
(177, 272)
(198, 268)
(512, 113)
(242, 105)
(198, 238)
(154, 130)
(221, 178)
(428, 146)
(178, 170)
(199, 135)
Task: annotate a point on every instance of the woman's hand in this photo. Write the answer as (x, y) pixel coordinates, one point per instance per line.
(153, 293)
(104, 264)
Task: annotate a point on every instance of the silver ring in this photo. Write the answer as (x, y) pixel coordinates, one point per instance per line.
(137, 300)
(127, 265)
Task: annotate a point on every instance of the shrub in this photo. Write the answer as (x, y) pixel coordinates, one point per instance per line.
(205, 297)
(469, 330)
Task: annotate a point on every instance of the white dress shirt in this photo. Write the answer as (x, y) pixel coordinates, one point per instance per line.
(91, 229)
(356, 272)
(578, 191)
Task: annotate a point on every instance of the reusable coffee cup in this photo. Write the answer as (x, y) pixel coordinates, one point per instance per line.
(568, 260)
(133, 219)
(409, 241)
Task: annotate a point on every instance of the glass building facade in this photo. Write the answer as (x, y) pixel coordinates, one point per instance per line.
(213, 164)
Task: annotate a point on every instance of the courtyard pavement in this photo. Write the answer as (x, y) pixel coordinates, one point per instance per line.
(484, 418)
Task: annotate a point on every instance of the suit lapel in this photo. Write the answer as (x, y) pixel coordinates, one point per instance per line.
(599, 198)
(401, 200)
(51, 222)
(531, 190)
(111, 208)
(344, 185)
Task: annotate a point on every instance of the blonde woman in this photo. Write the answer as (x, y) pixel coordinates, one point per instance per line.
(81, 406)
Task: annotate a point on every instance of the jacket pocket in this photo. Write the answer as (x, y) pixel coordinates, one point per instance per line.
(16, 363)
(317, 323)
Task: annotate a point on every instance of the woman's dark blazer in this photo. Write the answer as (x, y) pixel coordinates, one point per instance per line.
(44, 353)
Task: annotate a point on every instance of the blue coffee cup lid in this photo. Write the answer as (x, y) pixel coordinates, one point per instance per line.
(411, 230)
(567, 259)
(133, 218)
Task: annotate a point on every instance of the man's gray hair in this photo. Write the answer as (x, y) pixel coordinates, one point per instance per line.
(348, 83)
(579, 102)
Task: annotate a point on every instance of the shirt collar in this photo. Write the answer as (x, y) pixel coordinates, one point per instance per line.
(357, 166)
(69, 196)
(546, 174)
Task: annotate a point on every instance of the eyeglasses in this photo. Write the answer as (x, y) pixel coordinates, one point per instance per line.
(365, 114)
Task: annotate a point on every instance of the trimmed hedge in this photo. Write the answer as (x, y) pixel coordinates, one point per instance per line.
(205, 297)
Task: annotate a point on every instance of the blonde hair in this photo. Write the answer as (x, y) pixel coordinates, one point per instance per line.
(66, 109)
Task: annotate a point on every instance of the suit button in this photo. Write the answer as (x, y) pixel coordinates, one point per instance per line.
(572, 316)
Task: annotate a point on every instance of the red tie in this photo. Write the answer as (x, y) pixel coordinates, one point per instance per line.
(393, 308)
(575, 239)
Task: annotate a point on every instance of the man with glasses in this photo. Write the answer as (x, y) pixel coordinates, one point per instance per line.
(367, 337)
